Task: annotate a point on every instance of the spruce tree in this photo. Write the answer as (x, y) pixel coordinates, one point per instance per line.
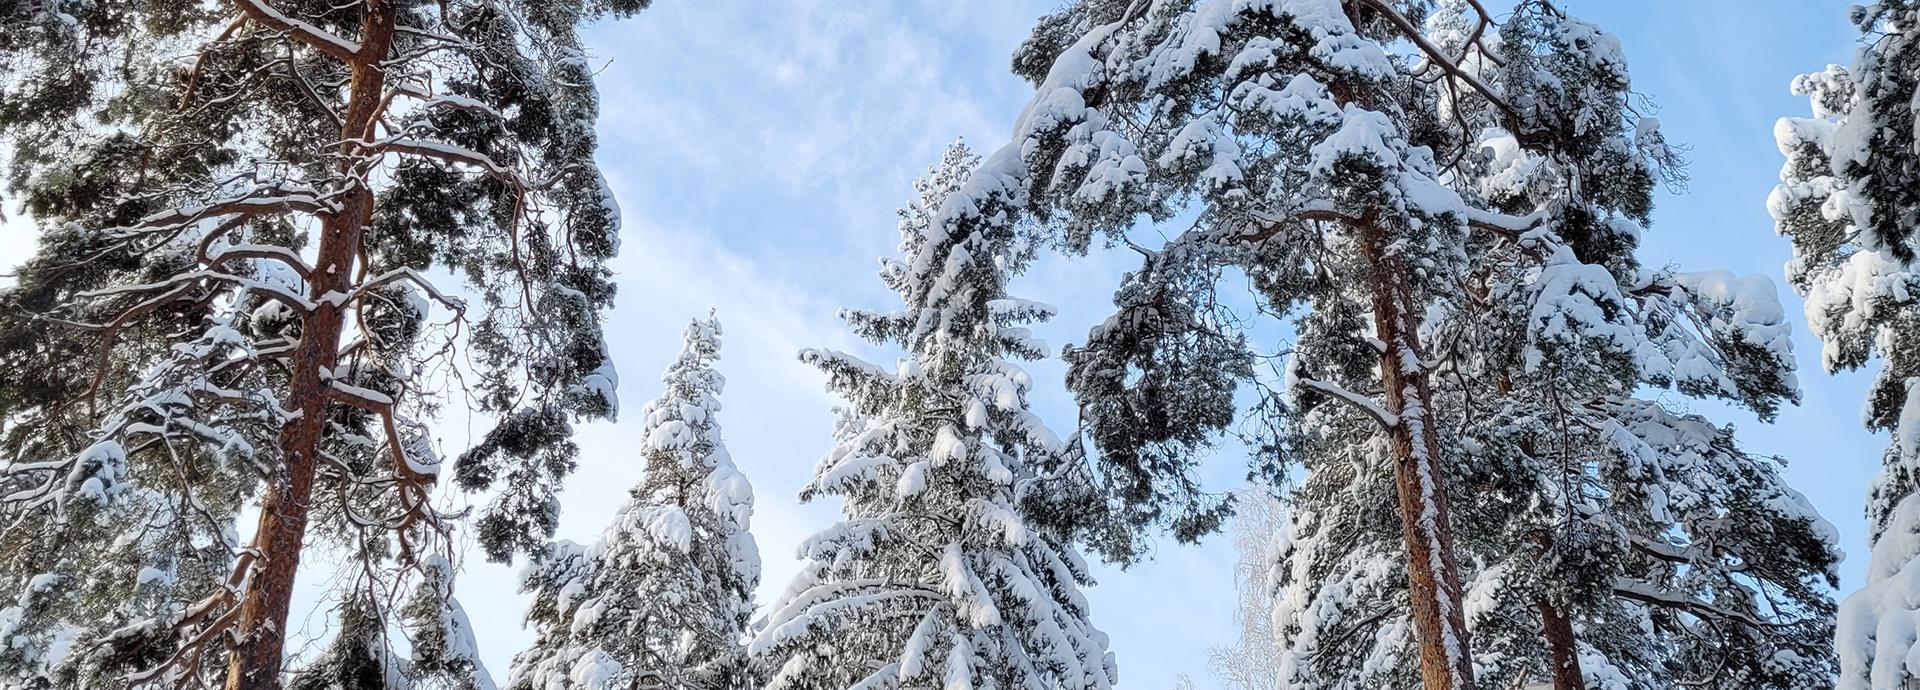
(667, 592)
(950, 568)
(1849, 200)
(444, 653)
(365, 654)
(232, 306)
(1394, 177)
(359, 657)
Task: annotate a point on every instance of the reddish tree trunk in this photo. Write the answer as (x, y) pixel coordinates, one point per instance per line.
(1433, 575)
(1561, 651)
(256, 659)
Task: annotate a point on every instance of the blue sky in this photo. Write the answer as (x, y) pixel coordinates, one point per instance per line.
(758, 150)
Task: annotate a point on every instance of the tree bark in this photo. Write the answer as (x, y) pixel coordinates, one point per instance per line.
(1561, 651)
(1420, 483)
(256, 659)
(1433, 575)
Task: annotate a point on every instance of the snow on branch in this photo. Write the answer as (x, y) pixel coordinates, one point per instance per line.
(451, 154)
(1503, 223)
(312, 36)
(287, 257)
(434, 36)
(409, 275)
(1364, 403)
(1439, 58)
(1324, 210)
(1649, 593)
(266, 199)
(277, 292)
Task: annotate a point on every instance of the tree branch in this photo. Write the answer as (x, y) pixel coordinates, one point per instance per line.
(1364, 403)
(307, 34)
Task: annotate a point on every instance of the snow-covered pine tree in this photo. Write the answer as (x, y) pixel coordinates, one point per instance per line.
(1849, 199)
(667, 591)
(231, 307)
(444, 653)
(1609, 542)
(1311, 137)
(939, 575)
(432, 626)
(1350, 158)
(1600, 547)
(359, 658)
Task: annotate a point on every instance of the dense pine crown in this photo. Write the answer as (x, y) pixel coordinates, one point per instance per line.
(1447, 208)
(1848, 200)
(666, 593)
(253, 216)
(941, 574)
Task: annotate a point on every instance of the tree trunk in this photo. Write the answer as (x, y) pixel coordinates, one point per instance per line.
(1433, 575)
(1561, 651)
(257, 657)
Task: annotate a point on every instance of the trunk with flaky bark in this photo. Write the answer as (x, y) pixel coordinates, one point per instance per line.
(1420, 483)
(257, 657)
(1560, 648)
(1433, 575)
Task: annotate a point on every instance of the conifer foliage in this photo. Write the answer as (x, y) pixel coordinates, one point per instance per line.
(1446, 204)
(231, 306)
(1849, 199)
(938, 575)
(667, 591)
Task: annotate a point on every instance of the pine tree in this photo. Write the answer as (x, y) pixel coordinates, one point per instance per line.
(231, 306)
(1600, 548)
(940, 574)
(667, 591)
(1848, 201)
(1393, 180)
(362, 656)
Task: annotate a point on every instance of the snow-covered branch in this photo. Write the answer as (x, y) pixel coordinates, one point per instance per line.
(451, 154)
(292, 299)
(1363, 403)
(1649, 593)
(268, 199)
(1438, 57)
(407, 275)
(312, 36)
(286, 257)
